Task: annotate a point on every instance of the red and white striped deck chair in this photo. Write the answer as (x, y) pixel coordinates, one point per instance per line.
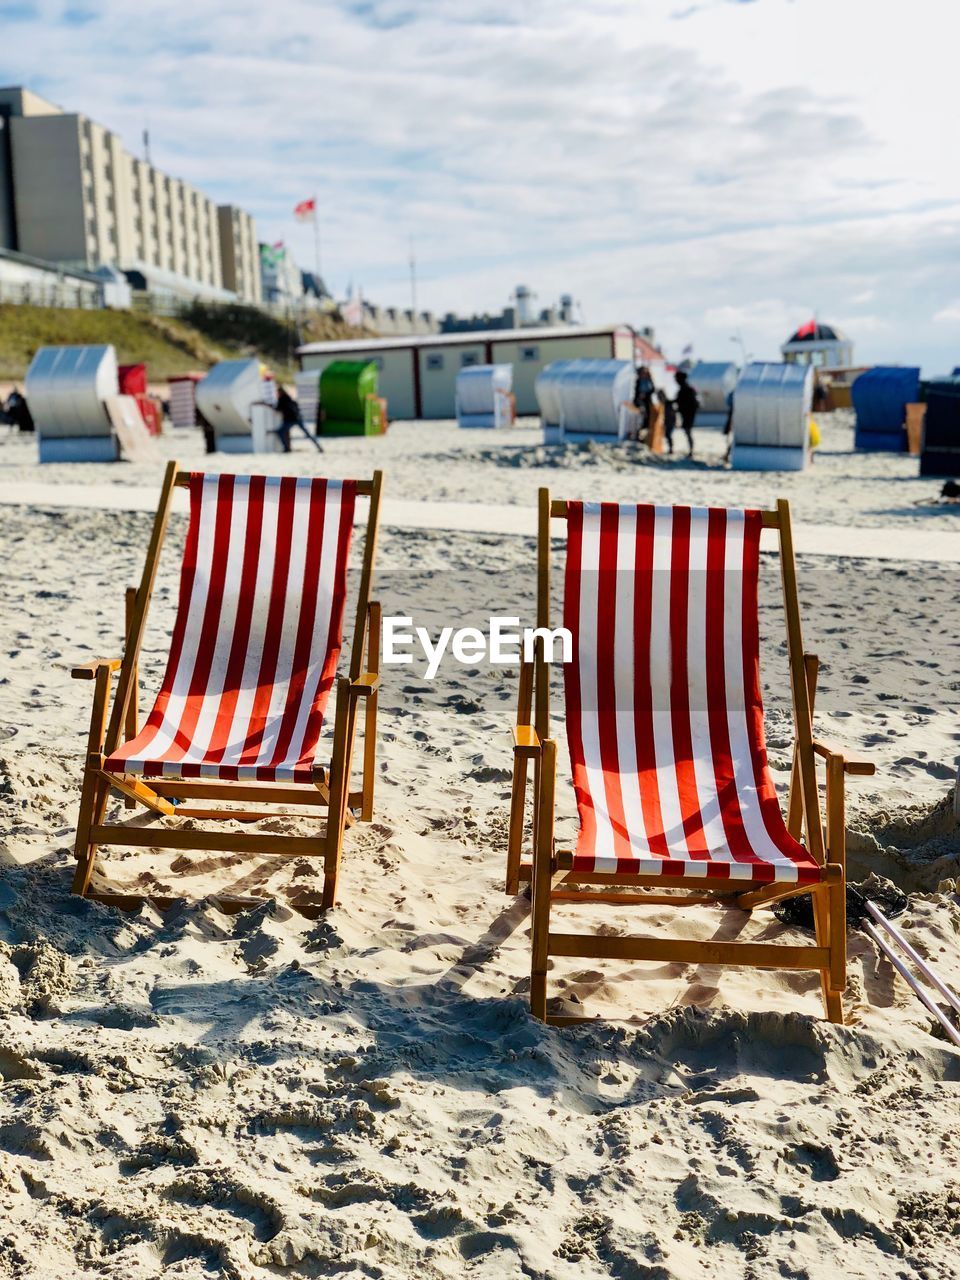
(664, 722)
(252, 661)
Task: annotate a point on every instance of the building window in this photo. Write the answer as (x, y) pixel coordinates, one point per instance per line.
(468, 358)
(529, 353)
(434, 363)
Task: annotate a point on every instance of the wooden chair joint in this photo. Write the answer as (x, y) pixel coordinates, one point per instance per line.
(526, 741)
(88, 670)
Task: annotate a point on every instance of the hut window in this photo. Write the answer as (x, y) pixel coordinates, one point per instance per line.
(468, 358)
(434, 362)
(529, 353)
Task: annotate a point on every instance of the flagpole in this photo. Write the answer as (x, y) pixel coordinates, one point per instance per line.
(413, 284)
(316, 242)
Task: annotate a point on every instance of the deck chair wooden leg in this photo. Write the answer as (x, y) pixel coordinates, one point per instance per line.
(93, 806)
(829, 936)
(811, 668)
(518, 793)
(835, 897)
(518, 804)
(339, 784)
(370, 716)
(542, 873)
(94, 791)
(369, 757)
(89, 797)
(132, 724)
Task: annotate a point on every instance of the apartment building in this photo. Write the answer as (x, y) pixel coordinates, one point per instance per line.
(240, 253)
(71, 193)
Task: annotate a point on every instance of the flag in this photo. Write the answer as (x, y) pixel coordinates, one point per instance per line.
(306, 210)
(272, 254)
(808, 330)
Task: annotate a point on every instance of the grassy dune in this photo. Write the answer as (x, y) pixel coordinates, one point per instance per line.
(168, 346)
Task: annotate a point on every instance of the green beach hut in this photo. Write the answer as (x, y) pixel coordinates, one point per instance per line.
(349, 403)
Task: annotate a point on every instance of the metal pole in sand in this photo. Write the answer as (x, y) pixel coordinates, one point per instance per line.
(948, 993)
(912, 983)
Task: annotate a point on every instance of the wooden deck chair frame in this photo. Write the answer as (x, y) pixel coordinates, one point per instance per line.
(113, 723)
(550, 870)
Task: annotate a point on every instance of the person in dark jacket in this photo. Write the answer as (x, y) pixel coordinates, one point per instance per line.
(687, 402)
(643, 390)
(17, 411)
(669, 419)
(290, 417)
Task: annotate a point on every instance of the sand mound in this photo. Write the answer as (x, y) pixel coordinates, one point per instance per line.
(917, 846)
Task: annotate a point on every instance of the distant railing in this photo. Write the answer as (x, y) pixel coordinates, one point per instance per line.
(78, 296)
(81, 295)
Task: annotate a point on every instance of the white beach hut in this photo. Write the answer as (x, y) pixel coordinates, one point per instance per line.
(226, 397)
(771, 417)
(713, 382)
(582, 399)
(484, 395)
(67, 389)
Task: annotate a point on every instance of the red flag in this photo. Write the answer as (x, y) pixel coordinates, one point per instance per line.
(808, 330)
(306, 210)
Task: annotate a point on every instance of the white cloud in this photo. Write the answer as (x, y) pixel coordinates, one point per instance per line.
(948, 315)
(662, 170)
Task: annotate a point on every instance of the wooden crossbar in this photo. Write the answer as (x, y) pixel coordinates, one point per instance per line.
(226, 903)
(267, 843)
(559, 510)
(757, 955)
(364, 487)
(644, 898)
(263, 793)
(699, 884)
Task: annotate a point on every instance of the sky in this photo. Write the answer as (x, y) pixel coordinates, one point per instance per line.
(721, 170)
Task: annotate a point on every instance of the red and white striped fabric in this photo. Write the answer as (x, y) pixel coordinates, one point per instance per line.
(664, 710)
(257, 634)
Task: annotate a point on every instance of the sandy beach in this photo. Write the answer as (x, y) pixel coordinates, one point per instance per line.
(192, 1094)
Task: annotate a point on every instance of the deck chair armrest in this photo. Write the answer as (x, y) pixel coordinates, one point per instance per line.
(526, 740)
(365, 685)
(858, 768)
(88, 670)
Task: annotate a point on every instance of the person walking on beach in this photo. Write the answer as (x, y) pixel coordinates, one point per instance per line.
(669, 412)
(687, 402)
(728, 427)
(290, 417)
